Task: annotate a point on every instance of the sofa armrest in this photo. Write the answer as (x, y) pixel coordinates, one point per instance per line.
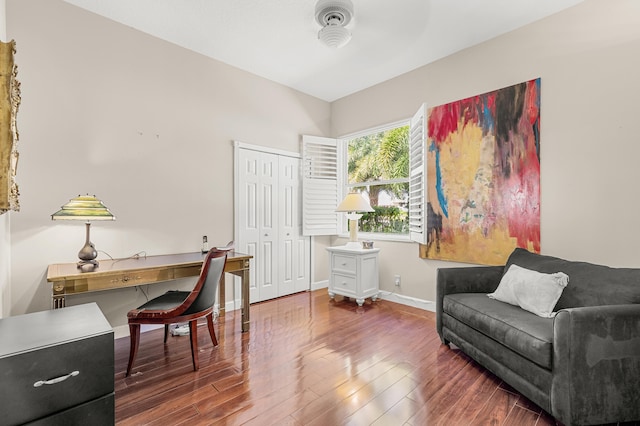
(475, 279)
(596, 364)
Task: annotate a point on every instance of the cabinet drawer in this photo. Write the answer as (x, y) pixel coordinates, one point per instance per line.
(22, 377)
(127, 279)
(100, 411)
(344, 283)
(344, 263)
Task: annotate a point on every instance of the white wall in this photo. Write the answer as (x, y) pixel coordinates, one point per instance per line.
(144, 125)
(5, 229)
(588, 59)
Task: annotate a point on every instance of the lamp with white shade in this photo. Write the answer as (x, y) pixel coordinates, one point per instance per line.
(354, 203)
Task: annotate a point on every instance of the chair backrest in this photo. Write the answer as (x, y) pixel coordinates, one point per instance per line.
(203, 294)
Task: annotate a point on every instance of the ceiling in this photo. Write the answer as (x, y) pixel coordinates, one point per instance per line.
(277, 39)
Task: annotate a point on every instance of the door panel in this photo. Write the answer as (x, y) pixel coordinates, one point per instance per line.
(294, 275)
(268, 284)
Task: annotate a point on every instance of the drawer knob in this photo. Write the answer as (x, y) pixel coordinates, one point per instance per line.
(56, 380)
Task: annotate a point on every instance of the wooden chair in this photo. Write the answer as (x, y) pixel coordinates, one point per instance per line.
(181, 306)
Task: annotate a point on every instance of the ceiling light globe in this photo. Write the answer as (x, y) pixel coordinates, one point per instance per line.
(334, 36)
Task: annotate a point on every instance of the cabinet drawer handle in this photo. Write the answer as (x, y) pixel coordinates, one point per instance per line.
(56, 380)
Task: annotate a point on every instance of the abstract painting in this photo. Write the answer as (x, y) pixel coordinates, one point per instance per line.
(483, 176)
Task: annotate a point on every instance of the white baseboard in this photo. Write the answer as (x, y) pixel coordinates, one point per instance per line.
(319, 284)
(427, 305)
(123, 330)
(233, 305)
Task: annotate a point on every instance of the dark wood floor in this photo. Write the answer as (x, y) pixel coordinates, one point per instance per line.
(311, 361)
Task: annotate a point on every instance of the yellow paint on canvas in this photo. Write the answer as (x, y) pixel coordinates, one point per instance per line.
(475, 247)
(466, 165)
(459, 160)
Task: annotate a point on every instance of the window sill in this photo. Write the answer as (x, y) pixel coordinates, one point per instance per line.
(379, 237)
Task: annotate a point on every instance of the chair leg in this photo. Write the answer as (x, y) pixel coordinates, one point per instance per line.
(166, 332)
(212, 332)
(134, 338)
(193, 333)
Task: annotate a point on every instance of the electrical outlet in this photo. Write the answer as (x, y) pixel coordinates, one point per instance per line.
(396, 279)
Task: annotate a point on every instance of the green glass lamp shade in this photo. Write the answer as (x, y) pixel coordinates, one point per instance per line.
(83, 207)
(86, 208)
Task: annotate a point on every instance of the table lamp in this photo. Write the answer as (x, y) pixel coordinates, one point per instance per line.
(87, 208)
(353, 203)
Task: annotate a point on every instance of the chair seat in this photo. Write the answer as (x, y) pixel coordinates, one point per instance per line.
(169, 300)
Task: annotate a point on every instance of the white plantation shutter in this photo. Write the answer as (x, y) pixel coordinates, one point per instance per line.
(320, 186)
(418, 177)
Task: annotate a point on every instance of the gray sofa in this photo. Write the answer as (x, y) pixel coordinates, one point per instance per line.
(582, 366)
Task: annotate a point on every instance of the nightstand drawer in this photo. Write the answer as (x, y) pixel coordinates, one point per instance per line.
(344, 283)
(344, 263)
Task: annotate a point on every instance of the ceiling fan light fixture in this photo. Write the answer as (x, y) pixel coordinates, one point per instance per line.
(333, 16)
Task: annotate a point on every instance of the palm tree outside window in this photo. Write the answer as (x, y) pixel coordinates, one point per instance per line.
(378, 167)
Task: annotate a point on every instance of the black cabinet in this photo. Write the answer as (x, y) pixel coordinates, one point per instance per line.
(57, 368)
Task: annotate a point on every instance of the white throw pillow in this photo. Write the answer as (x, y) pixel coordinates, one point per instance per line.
(533, 291)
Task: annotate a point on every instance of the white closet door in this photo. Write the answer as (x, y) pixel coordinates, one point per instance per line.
(293, 254)
(268, 223)
(258, 201)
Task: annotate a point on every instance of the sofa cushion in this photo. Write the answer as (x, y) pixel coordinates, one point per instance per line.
(591, 285)
(533, 291)
(523, 332)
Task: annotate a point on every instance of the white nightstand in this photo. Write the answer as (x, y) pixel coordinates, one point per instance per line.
(354, 273)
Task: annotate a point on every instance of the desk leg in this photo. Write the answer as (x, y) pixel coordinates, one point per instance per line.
(58, 302)
(245, 299)
(222, 298)
(57, 296)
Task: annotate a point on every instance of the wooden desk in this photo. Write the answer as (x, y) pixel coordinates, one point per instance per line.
(66, 278)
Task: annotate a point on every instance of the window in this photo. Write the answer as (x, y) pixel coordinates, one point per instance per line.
(377, 165)
(397, 189)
